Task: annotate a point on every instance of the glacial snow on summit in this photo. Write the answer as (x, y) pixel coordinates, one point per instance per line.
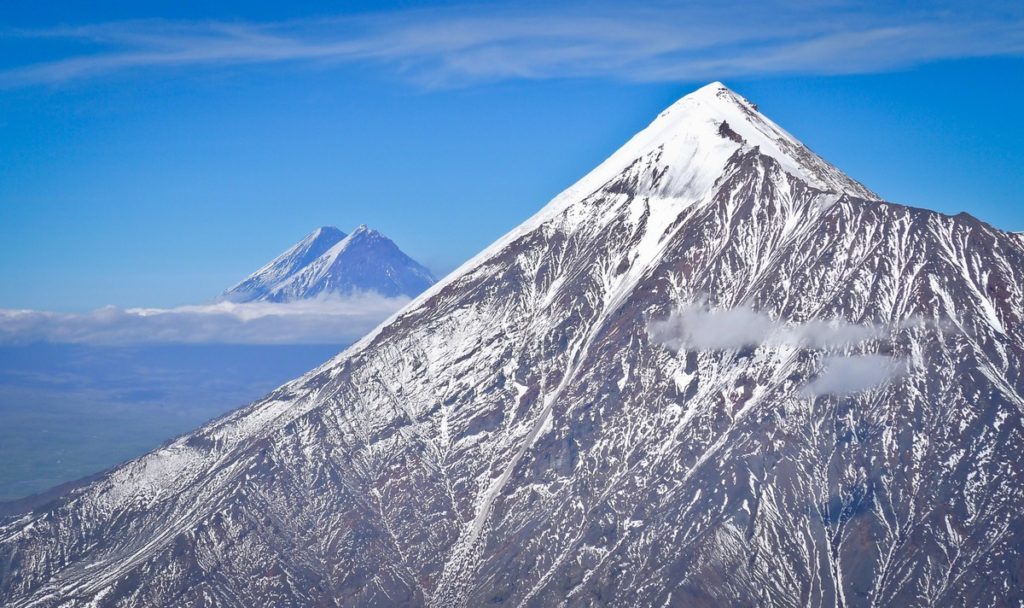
(329, 262)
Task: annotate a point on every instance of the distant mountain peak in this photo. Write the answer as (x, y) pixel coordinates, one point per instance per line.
(363, 231)
(326, 231)
(329, 262)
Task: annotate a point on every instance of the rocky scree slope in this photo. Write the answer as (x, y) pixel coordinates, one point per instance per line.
(520, 435)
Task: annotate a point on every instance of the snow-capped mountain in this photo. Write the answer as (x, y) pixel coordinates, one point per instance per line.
(328, 261)
(714, 372)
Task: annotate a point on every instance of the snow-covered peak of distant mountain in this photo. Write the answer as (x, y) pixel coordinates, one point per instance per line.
(328, 261)
(285, 265)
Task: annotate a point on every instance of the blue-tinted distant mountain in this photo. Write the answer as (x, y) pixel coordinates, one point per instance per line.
(300, 255)
(329, 262)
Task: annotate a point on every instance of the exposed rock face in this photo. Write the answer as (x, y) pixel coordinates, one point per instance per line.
(518, 437)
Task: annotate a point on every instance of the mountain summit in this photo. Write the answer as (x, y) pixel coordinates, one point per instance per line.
(328, 261)
(714, 372)
(689, 145)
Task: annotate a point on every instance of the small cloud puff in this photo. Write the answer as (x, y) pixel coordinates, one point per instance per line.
(843, 375)
(328, 320)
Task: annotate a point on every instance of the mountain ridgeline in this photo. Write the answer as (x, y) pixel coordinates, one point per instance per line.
(716, 371)
(329, 262)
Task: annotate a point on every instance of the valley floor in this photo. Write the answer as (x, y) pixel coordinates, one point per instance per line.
(69, 411)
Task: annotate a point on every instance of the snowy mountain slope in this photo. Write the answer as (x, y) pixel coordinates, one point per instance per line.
(297, 257)
(522, 434)
(330, 262)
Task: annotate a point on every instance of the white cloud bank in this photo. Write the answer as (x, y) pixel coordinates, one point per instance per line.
(334, 320)
(695, 327)
(458, 45)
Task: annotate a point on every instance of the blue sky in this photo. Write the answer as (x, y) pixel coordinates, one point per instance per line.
(152, 158)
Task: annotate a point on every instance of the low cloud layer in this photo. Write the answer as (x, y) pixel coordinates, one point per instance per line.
(695, 327)
(321, 321)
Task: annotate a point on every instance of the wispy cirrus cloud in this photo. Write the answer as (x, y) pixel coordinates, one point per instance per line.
(329, 320)
(461, 45)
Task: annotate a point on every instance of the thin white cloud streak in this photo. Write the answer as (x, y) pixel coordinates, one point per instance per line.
(462, 45)
(696, 328)
(320, 321)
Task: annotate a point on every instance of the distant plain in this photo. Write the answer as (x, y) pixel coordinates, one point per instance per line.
(70, 411)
